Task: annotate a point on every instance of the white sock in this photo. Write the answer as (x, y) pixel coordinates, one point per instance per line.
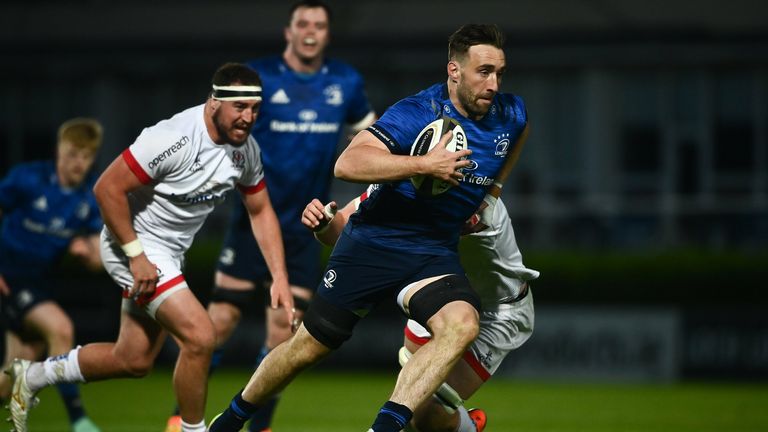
(186, 427)
(54, 370)
(465, 423)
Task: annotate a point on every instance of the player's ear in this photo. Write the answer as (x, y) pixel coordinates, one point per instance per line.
(214, 104)
(453, 70)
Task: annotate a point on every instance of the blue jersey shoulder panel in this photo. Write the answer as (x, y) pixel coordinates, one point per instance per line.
(42, 218)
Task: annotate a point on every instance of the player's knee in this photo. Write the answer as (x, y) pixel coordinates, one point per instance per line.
(229, 303)
(279, 328)
(138, 366)
(225, 318)
(63, 334)
(447, 304)
(329, 324)
(456, 326)
(200, 342)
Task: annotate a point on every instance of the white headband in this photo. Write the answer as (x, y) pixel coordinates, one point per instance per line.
(237, 93)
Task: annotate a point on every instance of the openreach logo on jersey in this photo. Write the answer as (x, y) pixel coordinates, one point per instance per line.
(178, 145)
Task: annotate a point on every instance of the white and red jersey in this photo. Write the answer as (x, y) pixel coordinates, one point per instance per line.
(494, 263)
(185, 174)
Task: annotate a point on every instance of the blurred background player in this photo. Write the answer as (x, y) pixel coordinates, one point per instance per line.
(154, 198)
(401, 245)
(494, 266)
(308, 101)
(48, 209)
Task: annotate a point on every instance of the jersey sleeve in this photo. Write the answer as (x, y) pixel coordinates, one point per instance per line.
(359, 106)
(11, 189)
(155, 154)
(252, 179)
(401, 124)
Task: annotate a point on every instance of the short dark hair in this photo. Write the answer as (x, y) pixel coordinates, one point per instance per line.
(231, 73)
(470, 35)
(310, 4)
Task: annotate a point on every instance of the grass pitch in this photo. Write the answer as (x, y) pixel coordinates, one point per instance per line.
(339, 402)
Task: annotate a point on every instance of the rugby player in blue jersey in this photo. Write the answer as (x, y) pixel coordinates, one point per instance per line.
(310, 104)
(48, 209)
(402, 245)
(494, 265)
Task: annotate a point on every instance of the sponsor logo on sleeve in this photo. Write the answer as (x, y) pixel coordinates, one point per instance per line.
(178, 145)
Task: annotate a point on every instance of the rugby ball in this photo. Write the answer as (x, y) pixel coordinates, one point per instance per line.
(425, 141)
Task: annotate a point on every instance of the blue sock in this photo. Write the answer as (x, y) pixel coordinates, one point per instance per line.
(70, 394)
(392, 417)
(218, 354)
(262, 419)
(235, 416)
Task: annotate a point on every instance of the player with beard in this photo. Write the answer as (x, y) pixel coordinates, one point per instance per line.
(401, 245)
(154, 197)
(310, 103)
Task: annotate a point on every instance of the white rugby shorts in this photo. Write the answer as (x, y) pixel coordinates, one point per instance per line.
(168, 267)
(502, 330)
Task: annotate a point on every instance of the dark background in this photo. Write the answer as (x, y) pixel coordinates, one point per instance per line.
(643, 184)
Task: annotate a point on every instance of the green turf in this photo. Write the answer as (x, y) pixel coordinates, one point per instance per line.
(333, 402)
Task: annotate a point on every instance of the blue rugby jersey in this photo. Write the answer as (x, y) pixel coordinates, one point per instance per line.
(40, 218)
(393, 216)
(299, 126)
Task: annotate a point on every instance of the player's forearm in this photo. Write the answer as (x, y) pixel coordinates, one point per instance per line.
(331, 233)
(375, 165)
(266, 231)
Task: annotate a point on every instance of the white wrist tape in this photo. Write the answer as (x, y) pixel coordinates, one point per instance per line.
(486, 215)
(498, 184)
(133, 248)
(329, 212)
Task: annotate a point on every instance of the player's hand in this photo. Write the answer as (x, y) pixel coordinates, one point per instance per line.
(316, 215)
(281, 296)
(446, 165)
(476, 223)
(4, 288)
(79, 248)
(145, 277)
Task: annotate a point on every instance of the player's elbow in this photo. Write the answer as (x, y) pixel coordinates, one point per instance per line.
(100, 190)
(343, 169)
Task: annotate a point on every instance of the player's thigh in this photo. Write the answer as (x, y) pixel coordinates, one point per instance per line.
(185, 318)
(48, 319)
(140, 337)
